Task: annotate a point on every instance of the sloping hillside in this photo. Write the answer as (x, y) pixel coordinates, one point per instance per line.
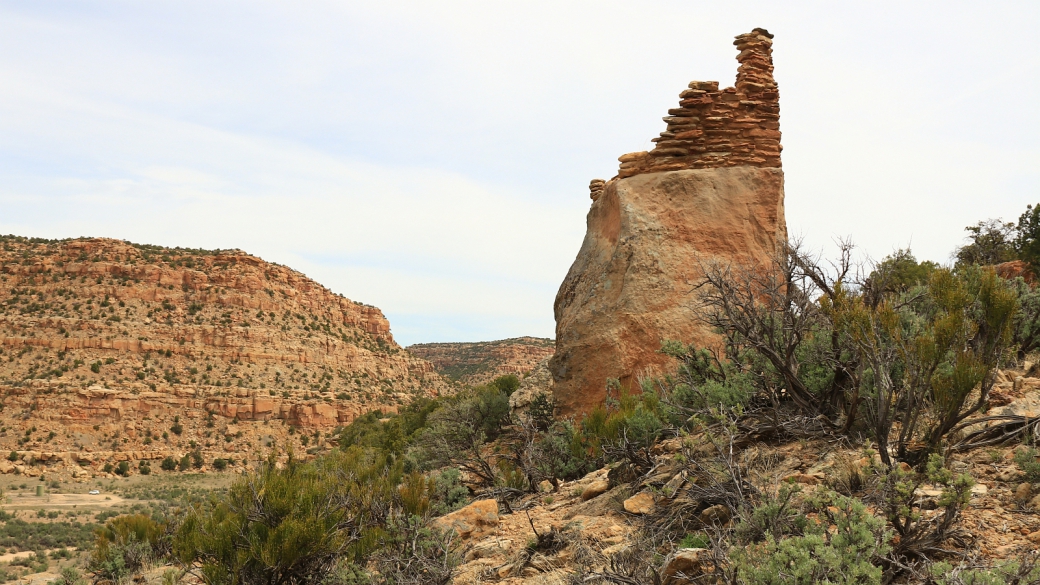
(111, 350)
(483, 361)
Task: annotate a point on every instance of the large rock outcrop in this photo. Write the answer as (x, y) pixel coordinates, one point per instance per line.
(711, 189)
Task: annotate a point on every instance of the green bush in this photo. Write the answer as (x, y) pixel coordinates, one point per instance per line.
(1017, 572)
(541, 411)
(415, 552)
(396, 434)
(449, 493)
(310, 516)
(220, 464)
(168, 464)
(1026, 460)
(506, 384)
(457, 433)
(123, 469)
(816, 554)
(126, 544)
(71, 576)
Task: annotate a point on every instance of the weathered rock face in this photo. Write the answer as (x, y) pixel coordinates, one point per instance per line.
(110, 345)
(632, 284)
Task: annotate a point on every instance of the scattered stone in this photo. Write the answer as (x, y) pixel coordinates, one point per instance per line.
(717, 515)
(594, 489)
(640, 504)
(475, 520)
(685, 566)
(804, 478)
(1023, 491)
(489, 548)
(668, 446)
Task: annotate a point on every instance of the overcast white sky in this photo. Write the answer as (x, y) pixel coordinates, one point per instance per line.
(432, 158)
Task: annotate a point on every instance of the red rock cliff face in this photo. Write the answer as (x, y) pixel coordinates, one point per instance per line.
(112, 344)
(712, 187)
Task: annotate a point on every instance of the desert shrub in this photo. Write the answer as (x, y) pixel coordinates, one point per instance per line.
(126, 544)
(416, 493)
(168, 464)
(816, 554)
(449, 494)
(701, 382)
(506, 384)
(220, 464)
(489, 409)
(456, 434)
(1023, 571)
(17, 534)
(1026, 460)
(1026, 332)
(123, 469)
(71, 576)
(560, 453)
(920, 359)
(290, 524)
(393, 433)
(921, 536)
(347, 573)
(415, 553)
(541, 411)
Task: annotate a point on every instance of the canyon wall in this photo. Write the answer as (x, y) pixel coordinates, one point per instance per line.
(712, 188)
(107, 346)
(480, 362)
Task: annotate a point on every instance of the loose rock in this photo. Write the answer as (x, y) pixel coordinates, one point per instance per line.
(641, 503)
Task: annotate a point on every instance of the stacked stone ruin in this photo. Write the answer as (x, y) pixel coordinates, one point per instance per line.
(736, 126)
(596, 188)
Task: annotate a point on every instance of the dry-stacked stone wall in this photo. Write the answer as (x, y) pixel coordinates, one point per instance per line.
(736, 126)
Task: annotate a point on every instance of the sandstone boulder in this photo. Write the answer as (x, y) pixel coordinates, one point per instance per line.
(594, 489)
(476, 520)
(632, 284)
(686, 565)
(640, 504)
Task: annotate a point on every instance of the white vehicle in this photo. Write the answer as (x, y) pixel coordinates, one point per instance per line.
(94, 492)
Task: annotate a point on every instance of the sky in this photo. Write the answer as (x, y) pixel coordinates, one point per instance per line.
(433, 158)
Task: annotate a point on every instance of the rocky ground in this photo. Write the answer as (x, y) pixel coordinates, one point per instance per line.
(599, 517)
(481, 362)
(547, 537)
(111, 352)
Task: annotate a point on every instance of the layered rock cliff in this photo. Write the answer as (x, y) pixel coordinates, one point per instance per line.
(711, 188)
(480, 362)
(106, 342)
